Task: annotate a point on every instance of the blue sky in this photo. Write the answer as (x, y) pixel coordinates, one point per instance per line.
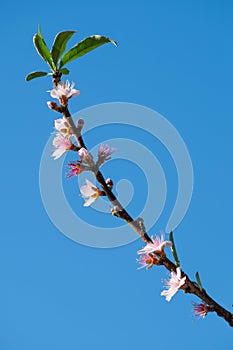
(174, 57)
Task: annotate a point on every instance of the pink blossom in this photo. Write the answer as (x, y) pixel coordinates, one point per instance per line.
(174, 284)
(158, 244)
(61, 144)
(200, 310)
(105, 151)
(75, 168)
(146, 261)
(61, 125)
(85, 156)
(90, 193)
(64, 91)
(104, 154)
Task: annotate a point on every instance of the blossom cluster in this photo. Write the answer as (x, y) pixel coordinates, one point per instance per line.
(62, 143)
(150, 255)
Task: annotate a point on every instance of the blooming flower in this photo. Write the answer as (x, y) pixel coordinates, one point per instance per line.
(64, 91)
(85, 156)
(61, 125)
(174, 284)
(75, 168)
(90, 193)
(147, 260)
(200, 310)
(158, 244)
(104, 154)
(61, 144)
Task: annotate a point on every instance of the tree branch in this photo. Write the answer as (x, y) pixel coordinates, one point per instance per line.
(138, 225)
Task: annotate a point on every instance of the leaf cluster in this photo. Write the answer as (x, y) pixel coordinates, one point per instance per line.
(56, 58)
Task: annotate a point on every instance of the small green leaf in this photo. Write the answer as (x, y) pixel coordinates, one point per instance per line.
(84, 47)
(198, 281)
(174, 252)
(64, 71)
(43, 51)
(59, 44)
(34, 75)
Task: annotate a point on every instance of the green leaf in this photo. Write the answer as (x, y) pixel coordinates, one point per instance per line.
(174, 252)
(59, 44)
(64, 71)
(84, 47)
(39, 31)
(43, 51)
(34, 75)
(199, 281)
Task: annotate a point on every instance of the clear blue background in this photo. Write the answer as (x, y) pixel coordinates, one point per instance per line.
(174, 57)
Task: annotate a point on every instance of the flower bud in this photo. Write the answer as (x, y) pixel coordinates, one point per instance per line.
(52, 105)
(85, 156)
(109, 183)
